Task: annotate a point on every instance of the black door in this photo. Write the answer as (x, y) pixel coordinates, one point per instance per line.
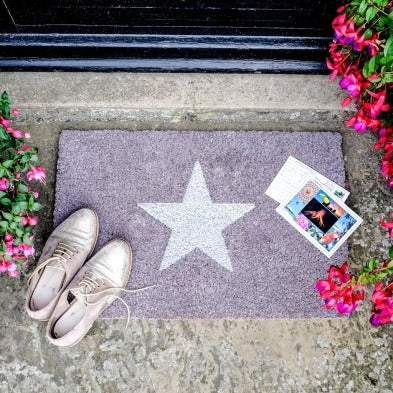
(166, 35)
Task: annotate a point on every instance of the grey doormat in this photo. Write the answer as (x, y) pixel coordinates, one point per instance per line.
(193, 207)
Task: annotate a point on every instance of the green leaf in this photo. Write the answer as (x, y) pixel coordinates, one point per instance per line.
(20, 197)
(372, 264)
(366, 73)
(390, 16)
(22, 205)
(36, 206)
(5, 202)
(13, 225)
(370, 13)
(19, 232)
(390, 253)
(388, 46)
(22, 188)
(7, 216)
(15, 209)
(358, 20)
(363, 7)
(388, 78)
(2, 193)
(27, 240)
(18, 219)
(34, 159)
(3, 224)
(372, 66)
(7, 163)
(368, 34)
(3, 134)
(25, 158)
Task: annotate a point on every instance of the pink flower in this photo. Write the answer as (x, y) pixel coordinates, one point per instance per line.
(13, 274)
(24, 148)
(33, 221)
(5, 122)
(27, 135)
(26, 249)
(36, 194)
(383, 305)
(24, 221)
(339, 291)
(388, 225)
(3, 267)
(15, 112)
(36, 173)
(3, 184)
(12, 267)
(17, 134)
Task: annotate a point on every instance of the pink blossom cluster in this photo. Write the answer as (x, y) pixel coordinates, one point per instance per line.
(15, 251)
(383, 304)
(348, 54)
(18, 253)
(340, 291)
(17, 134)
(344, 292)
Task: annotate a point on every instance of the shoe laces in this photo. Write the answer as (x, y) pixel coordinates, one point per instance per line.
(61, 255)
(89, 284)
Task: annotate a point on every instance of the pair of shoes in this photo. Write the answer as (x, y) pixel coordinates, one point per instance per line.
(70, 293)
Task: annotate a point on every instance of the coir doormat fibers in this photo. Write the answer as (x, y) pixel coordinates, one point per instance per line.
(193, 207)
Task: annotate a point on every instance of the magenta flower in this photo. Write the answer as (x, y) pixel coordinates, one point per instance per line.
(3, 184)
(339, 291)
(388, 225)
(36, 173)
(26, 249)
(17, 134)
(32, 221)
(383, 305)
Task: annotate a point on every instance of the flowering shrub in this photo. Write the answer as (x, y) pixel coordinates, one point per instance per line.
(17, 199)
(362, 55)
(344, 292)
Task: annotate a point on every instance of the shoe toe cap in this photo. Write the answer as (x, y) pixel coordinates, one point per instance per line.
(79, 229)
(113, 262)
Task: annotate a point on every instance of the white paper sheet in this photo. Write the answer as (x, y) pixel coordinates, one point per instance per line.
(293, 175)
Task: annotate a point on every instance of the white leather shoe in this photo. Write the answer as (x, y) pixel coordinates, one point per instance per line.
(65, 251)
(98, 283)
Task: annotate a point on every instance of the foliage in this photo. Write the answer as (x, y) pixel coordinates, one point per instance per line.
(344, 292)
(362, 54)
(18, 201)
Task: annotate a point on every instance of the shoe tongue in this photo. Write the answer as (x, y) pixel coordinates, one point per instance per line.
(76, 294)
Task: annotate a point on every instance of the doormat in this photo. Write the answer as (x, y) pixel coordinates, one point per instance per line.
(193, 207)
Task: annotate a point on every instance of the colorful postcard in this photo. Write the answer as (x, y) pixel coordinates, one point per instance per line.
(320, 217)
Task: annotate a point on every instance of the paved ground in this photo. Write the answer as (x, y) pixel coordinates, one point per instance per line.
(197, 356)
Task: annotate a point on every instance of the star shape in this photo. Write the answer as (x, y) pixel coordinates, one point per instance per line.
(196, 222)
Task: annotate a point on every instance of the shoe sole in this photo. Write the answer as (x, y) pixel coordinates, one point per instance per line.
(88, 256)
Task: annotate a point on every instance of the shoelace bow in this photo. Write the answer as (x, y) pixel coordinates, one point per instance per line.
(91, 281)
(62, 254)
